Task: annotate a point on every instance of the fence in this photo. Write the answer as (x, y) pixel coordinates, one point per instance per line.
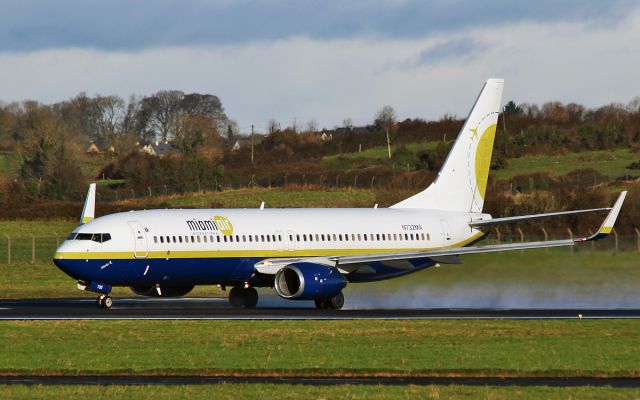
(36, 248)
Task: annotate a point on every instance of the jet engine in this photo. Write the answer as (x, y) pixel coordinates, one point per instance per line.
(308, 281)
(166, 291)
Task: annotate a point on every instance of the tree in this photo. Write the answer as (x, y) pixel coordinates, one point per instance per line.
(312, 126)
(386, 119)
(511, 108)
(48, 165)
(273, 126)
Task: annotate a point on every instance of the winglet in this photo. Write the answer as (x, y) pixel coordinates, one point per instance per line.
(89, 210)
(607, 225)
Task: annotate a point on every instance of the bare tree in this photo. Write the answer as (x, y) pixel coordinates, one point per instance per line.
(386, 119)
(312, 126)
(273, 126)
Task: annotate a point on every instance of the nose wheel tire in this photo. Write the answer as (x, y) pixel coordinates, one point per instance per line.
(241, 297)
(104, 301)
(334, 303)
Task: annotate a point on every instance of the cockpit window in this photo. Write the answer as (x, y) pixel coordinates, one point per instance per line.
(96, 237)
(72, 236)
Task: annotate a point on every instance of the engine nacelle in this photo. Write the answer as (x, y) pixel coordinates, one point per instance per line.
(167, 291)
(308, 281)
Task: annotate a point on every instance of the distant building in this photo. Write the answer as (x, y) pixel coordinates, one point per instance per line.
(160, 149)
(244, 142)
(93, 149)
(326, 137)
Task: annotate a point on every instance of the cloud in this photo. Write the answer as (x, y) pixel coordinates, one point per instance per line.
(331, 79)
(460, 48)
(115, 25)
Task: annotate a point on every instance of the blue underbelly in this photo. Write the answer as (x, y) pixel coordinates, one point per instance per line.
(178, 271)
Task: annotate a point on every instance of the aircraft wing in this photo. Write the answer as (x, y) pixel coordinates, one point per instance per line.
(347, 264)
(604, 230)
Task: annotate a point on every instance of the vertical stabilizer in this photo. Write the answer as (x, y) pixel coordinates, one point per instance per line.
(89, 210)
(462, 182)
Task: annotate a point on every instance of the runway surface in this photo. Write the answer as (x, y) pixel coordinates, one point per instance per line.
(218, 309)
(208, 380)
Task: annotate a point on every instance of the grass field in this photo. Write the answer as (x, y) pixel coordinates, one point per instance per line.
(377, 156)
(286, 392)
(548, 348)
(294, 198)
(611, 163)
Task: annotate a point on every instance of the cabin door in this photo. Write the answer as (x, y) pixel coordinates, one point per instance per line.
(140, 239)
(291, 240)
(446, 234)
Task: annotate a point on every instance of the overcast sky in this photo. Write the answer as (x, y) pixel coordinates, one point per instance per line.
(323, 60)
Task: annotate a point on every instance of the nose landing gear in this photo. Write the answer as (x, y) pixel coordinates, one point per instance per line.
(104, 301)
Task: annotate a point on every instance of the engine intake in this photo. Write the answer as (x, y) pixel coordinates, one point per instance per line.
(308, 281)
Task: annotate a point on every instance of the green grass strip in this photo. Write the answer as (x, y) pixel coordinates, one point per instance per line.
(608, 348)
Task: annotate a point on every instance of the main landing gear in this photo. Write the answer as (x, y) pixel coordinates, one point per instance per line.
(333, 303)
(243, 297)
(104, 301)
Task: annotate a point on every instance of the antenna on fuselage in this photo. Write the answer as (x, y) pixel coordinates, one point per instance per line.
(262, 205)
(89, 210)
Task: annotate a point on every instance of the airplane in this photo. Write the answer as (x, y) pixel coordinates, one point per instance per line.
(304, 254)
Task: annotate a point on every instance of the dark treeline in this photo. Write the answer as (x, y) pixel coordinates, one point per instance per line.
(51, 141)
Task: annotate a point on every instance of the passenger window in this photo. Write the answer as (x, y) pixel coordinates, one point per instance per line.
(168, 239)
(428, 236)
(411, 236)
(161, 239)
(218, 239)
(346, 237)
(268, 238)
(244, 238)
(365, 237)
(304, 238)
(377, 236)
(155, 239)
(231, 238)
(224, 238)
(273, 238)
(279, 238)
(406, 236)
(262, 238)
(250, 238)
(340, 237)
